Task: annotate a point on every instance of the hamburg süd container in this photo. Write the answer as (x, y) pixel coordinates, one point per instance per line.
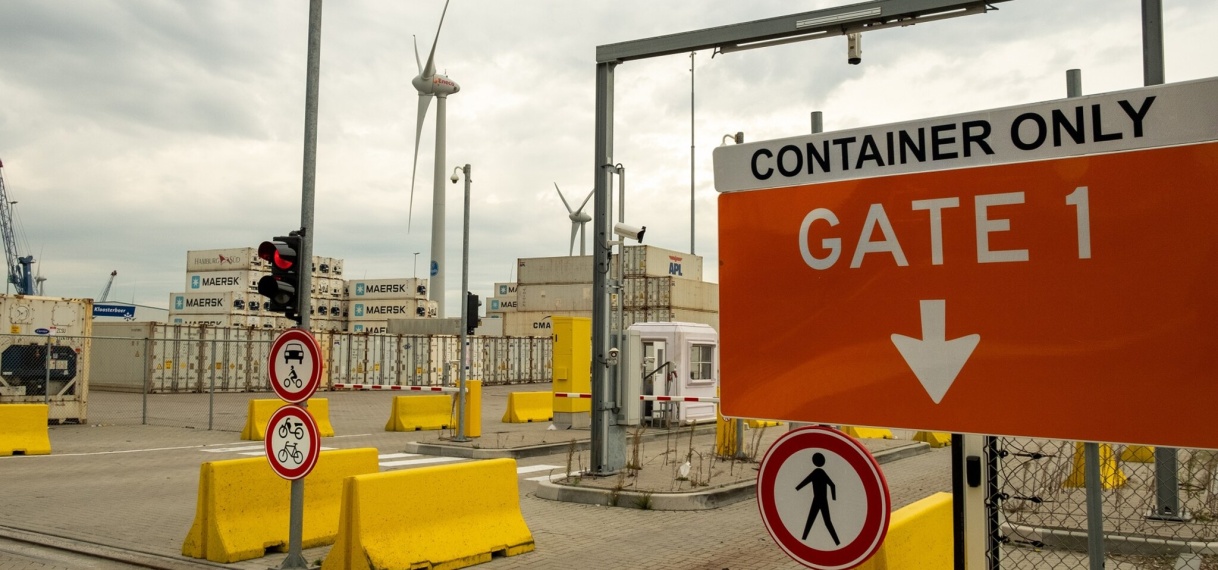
(240, 258)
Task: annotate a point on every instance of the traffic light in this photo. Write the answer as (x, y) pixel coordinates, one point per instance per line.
(282, 286)
(472, 302)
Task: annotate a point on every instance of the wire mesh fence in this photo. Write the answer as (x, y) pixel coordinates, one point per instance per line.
(1155, 514)
(203, 377)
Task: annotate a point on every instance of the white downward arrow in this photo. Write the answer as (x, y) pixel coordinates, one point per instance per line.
(935, 360)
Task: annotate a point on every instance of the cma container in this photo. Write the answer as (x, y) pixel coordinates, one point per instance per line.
(682, 293)
(219, 281)
(242, 258)
(537, 270)
(504, 290)
(385, 309)
(555, 297)
(210, 303)
(44, 357)
(535, 323)
(651, 261)
(403, 288)
(502, 305)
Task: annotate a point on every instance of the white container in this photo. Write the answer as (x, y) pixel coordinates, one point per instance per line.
(505, 290)
(502, 305)
(682, 293)
(535, 323)
(402, 288)
(217, 320)
(368, 326)
(210, 303)
(537, 270)
(385, 309)
(31, 323)
(555, 297)
(337, 268)
(230, 280)
(241, 258)
(651, 261)
(338, 287)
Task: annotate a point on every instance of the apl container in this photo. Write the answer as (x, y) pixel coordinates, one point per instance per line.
(651, 261)
(221, 281)
(241, 258)
(400, 288)
(536, 270)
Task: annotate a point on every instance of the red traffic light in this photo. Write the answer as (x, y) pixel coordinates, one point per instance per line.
(280, 255)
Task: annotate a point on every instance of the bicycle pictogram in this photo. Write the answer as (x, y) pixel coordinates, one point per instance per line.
(289, 450)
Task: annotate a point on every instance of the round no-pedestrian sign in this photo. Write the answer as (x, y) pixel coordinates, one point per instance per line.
(292, 442)
(823, 498)
(295, 365)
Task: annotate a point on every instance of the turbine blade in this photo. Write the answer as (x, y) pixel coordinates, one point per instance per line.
(581, 206)
(416, 54)
(424, 101)
(564, 200)
(430, 70)
(574, 230)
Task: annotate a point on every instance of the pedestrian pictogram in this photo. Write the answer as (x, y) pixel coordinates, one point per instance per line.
(823, 498)
(292, 442)
(295, 365)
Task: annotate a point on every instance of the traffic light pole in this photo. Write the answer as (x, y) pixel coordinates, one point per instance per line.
(295, 559)
(465, 316)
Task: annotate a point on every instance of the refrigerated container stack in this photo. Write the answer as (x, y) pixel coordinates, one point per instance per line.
(371, 303)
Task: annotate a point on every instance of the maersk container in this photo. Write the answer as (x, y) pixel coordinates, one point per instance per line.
(220, 281)
(384, 309)
(47, 337)
(537, 270)
(682, 293)
(218, 302)
(651, 261)
(502, 305)
(241, 258)
(368, 326)
(217, 320)
(401, 288)
(505, 290)
(555, 297)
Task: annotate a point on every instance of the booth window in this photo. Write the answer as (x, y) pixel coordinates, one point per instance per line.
(702, 364)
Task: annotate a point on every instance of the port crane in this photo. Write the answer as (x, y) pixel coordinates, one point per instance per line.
(106, 292)
(20, 269)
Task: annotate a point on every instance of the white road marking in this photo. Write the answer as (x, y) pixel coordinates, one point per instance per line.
(552, 477)
(420, 461)
(228, 449)
(535, 468)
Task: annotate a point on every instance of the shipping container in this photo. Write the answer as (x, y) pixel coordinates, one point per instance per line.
(505, 290)
(234, 259)
(220, 281)
(400, 288)
(500, 305)
(218, 320)
(44, 358)
(555, 297)
(116, 312)
(537, 270)
(651, 261)
(210, 303)
(384, 309)
(682, 293)
(535, 323)
(671, 315)
(368, 326)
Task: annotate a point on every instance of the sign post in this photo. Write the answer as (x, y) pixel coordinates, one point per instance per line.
(292, 442)
(823, 498)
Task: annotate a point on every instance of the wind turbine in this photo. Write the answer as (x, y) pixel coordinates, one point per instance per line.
(578, 219)
(431, 84)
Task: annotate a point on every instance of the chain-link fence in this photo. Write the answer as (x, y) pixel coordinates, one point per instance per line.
(204, 377)
(1158, 512)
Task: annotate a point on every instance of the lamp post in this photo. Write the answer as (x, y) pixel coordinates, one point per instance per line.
(464, 306)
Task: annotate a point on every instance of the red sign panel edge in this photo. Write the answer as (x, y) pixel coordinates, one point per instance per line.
(879, 500)
(314, 380)
(310, 460)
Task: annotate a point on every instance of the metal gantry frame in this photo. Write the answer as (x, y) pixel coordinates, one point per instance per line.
(608, 450)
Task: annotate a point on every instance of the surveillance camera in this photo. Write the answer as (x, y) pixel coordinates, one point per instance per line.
(613, 352)
(854, 48)
(455, 178)
(625, 231)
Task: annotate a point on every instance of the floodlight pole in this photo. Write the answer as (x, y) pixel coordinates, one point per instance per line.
(465, 316)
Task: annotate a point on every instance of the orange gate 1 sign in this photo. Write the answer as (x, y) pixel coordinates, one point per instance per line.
(1048, 270)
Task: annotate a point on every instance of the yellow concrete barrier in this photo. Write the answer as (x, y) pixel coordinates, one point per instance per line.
(524, 407)
(935, 439)
(758, 424)
(473, 408)
(242, 509)
(1111, 475)
(1138, 454)
(919, 537)
(413, 413)
(860, 432)
(446, 516)
(23, 429)
(259, 413)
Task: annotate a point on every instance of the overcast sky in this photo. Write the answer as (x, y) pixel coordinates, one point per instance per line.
(133, 131)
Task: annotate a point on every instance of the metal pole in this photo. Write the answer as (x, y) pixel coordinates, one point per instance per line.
(608, 440)
(465, 316)
(1152, 42)
(818, 123)
(211, 391)
(959, 551)
(295, 560)
(46, 370)
(691, 151)
(147, 370)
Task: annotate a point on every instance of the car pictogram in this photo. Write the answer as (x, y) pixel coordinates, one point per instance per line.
(293, 351)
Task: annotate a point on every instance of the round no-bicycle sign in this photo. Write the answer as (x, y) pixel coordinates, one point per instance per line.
(292, 442)
(823, 498)
(295, 365)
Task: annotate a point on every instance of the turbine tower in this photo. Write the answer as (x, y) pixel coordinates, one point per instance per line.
(578, 220)
(431, 84)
